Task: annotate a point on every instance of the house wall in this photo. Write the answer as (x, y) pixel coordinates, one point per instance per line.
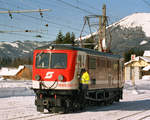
(136, 73)
(127, 73)
(133, 70)
(25, 74)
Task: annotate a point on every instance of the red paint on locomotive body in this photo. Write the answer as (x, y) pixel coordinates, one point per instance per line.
(49, 74)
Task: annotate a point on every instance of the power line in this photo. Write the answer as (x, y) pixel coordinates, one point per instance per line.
(146, 2)
(30, 31)
(18, 34)
(84, 3)
(76, 7)
(52, 22)
(47, 21)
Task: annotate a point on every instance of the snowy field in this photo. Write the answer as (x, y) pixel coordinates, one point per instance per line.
(17, 103)
(10, 88)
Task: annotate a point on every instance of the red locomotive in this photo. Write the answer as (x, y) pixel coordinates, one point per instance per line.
(56, 73)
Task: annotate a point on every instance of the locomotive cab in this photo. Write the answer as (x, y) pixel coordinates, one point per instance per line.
(54, 76)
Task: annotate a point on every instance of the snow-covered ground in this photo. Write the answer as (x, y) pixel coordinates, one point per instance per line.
(134, 106)
(10, 88)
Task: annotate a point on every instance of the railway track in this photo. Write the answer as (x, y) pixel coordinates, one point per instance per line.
(33, 117)
(148, 116)
(43, 117)
(141, 115)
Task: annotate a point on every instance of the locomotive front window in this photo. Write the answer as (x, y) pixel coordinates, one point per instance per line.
(42, 60)
(51, 60)
(58, 61)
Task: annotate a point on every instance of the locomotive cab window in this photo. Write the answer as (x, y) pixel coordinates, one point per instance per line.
(42, 60)
(58, 60)
(51, 60)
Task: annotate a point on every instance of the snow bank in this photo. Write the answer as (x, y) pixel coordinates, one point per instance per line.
(140, 87)
(10, 88)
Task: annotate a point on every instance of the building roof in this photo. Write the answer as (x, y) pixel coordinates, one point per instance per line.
(147, 68)
(10, 71)
(146, 53)
(146, 59)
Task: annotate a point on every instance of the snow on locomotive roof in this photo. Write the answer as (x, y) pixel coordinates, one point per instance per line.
(70, 47)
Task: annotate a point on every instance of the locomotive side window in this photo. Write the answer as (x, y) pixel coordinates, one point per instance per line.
(42, 60)
(92, 63)
(58, 60)
(79, 59)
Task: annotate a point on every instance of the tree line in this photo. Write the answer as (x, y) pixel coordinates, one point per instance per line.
(15, 62)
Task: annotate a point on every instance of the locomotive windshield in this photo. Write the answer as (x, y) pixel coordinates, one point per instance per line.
(51, 60)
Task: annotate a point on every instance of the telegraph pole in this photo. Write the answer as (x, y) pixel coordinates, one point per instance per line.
(102, 30)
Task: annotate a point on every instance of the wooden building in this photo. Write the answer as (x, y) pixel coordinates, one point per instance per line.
(20, 73)
(137, 67)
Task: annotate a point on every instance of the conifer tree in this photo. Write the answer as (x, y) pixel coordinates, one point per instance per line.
(59, 38)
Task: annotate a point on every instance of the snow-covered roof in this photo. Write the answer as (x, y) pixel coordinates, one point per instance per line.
(10, 71)
(146, 59)
(147, 68)
(136, 59)
(146, 53)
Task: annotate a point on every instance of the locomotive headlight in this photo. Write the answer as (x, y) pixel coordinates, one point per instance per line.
(51, 47)
(60, 77)
(37, 77)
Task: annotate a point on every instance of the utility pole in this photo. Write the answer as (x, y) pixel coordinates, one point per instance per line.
(102, 30)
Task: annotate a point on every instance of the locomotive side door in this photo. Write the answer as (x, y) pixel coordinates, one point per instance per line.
(81, 63)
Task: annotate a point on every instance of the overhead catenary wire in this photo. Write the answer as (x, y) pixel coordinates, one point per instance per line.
(62, 25)
(146, 2)
(51, 22)
(76, 7)
(67, 26)
(64, 20)
(89, 6)
(17, 27)
(58, 25)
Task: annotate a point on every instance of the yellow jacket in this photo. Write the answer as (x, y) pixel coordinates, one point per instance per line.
(85, 78)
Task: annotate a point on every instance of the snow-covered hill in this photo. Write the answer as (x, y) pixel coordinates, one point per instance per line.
(136, 20)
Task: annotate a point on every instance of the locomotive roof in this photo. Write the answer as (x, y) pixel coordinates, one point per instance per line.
(70, 47)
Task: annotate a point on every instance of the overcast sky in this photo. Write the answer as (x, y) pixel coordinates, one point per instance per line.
(65, 15)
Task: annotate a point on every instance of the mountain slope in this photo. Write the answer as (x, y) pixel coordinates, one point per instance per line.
(130, 32)
(19, 49)
(136, 20)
